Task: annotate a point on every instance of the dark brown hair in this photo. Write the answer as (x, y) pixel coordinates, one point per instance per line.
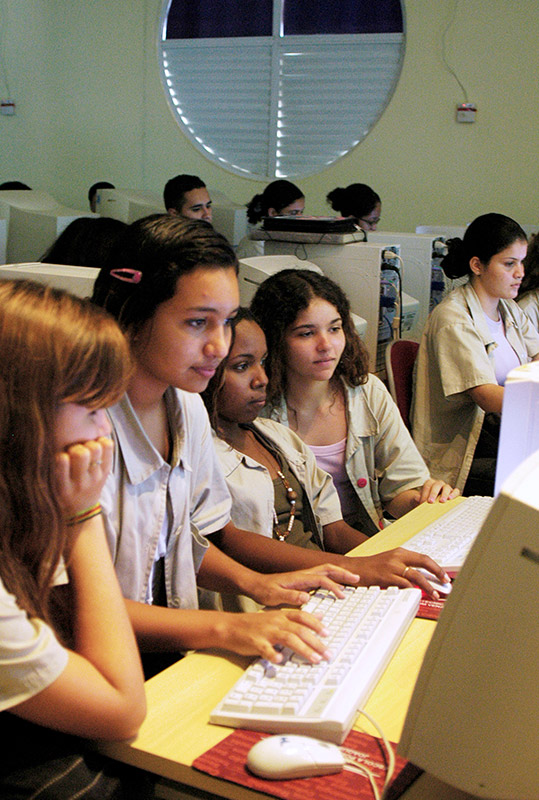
(160, 248)
(486, 236)
(276, 305)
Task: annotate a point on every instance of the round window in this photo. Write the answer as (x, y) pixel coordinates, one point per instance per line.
(270, 89)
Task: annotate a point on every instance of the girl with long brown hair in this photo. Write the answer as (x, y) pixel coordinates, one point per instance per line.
(69, 665)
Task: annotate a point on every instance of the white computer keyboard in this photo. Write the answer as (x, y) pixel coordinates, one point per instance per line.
(448, 539)
(323, 700)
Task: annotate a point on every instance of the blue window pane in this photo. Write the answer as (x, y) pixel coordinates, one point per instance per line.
(342, 16)
(211, 19)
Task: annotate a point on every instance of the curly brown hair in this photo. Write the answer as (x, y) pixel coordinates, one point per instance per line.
(276, 305)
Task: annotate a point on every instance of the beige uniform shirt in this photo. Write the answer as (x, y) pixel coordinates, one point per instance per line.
(456, 354)
(530, 304)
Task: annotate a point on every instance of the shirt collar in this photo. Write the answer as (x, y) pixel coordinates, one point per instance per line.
(140, 457)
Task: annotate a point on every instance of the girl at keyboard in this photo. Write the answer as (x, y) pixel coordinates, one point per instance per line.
(470, 342)
(320, 387)
(276, 486)
(69, 665)
(172, 285)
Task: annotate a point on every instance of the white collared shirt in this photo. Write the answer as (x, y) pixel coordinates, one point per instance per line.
(143, 488)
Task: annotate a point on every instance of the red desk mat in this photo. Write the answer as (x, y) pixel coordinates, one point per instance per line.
(429, 608)
(227, 761)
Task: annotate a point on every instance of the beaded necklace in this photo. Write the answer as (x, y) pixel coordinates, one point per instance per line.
(267, 458)
(292, 497)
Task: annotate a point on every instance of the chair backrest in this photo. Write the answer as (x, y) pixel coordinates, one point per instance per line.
(400, 357)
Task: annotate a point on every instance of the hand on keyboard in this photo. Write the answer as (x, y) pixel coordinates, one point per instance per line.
(292, 588)
(265, 633)
(400, 568)
(323, 699)
(433, 490)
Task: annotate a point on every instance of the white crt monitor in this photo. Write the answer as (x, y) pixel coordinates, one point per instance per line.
(230, 220)
(32, 231)
(519, 430)
(355, 266)
(473, 721)
(77, 280)
(33, 199)
(253, 271)
(33, 221)
(128, 205)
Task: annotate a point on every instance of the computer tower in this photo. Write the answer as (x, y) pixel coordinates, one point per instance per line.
(422, 276)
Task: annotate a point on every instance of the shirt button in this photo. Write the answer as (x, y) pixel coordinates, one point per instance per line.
(175, 602)
(362, 482)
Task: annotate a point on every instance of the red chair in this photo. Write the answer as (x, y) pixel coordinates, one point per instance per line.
(400, 358)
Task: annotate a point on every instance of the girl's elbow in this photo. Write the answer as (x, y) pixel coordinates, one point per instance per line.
(126, 723)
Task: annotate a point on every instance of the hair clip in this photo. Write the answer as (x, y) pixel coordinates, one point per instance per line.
(127, 275)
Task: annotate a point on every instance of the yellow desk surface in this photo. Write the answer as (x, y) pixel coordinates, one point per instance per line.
(180, 699)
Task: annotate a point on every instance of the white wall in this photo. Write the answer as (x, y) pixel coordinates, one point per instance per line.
(90, 106)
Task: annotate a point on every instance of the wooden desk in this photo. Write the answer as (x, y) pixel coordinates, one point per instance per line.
(180, 699)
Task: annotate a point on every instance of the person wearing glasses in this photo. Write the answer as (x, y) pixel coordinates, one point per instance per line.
(279, 197)
(359, 201)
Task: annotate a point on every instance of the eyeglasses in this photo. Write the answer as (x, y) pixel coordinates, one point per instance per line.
(370, 222)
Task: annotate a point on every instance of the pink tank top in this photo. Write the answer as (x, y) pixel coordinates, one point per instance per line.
(332, 459)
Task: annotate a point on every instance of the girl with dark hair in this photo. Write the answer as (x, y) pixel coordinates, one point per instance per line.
(86, 242)
(359, 201)
(172, 286)
(279, 197)
(69, 665)
(528, 294)
(470, 342)
(277, 489)
(320, 387)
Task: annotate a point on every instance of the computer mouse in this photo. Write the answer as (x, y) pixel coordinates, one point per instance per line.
(441, 588)
(293, 756)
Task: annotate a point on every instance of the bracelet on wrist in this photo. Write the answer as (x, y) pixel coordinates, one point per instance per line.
(84, 515)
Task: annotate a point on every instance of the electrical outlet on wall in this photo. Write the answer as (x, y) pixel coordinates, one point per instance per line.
(7, 107)
(466, 112)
